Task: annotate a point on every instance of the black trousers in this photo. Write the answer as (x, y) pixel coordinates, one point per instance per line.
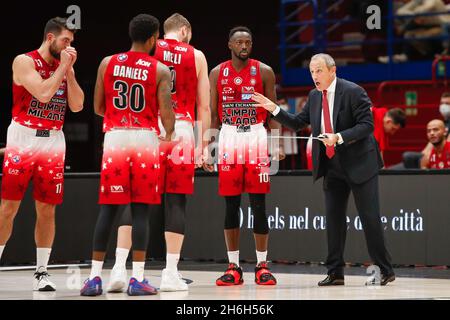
(337, 189)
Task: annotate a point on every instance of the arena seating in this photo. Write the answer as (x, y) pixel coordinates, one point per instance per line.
(419, 98)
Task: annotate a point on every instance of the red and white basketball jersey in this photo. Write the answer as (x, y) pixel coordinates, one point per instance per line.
(235, 90)
(440, 160)
(180, 58)
(130, 92)
(29, 111)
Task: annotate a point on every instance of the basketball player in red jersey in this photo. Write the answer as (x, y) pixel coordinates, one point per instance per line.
(243, 154)
(190, 87)
(129, 88)
(44, 85)
(439, 157)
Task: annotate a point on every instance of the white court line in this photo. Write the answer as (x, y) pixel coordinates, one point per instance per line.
(54, 266)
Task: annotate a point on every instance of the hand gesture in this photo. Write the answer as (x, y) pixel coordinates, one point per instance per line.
(329, 139)
(263, 102)
(66, 59)
(73, 54)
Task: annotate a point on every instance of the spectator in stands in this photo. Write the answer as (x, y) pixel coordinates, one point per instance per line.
(439, 157)
(387, 122)
(419, 28)
(444, 109)
(412, 159)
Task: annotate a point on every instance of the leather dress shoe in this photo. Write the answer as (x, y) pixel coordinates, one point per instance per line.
(385, 279)
(332, 280)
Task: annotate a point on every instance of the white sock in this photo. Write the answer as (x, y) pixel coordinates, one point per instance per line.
(233, 257)
(121, 258)
(172, 261)
(138, 270)
(1, 251)
(42, 256)
(261, 256)
(96, 270)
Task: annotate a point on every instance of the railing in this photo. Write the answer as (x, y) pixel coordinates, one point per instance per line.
(434, 68)
(434, 80)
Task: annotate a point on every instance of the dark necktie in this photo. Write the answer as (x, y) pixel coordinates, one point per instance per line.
(327, 122)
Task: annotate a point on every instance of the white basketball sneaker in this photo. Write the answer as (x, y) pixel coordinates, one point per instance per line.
(41, 282)
(171, 281)
(117, 280)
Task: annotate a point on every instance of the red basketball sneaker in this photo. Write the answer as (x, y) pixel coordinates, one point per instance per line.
(231, 277)
(263, 276)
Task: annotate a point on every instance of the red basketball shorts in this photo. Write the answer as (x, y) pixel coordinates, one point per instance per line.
(244, 164)
(130, 167)
(36, 155)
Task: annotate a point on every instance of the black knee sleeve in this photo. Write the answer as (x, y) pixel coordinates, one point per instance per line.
(125, 218)
(258, 205)
(103, 227)
(232, 204)
(140, 230)
(175, 211)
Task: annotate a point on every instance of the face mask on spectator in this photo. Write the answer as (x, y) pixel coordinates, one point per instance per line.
(444, 109)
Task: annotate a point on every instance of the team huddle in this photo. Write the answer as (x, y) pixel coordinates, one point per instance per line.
(150, 98)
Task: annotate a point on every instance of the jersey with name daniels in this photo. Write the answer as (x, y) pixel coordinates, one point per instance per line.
(130, 92)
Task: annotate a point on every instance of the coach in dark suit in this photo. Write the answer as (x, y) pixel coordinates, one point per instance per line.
(349, 160)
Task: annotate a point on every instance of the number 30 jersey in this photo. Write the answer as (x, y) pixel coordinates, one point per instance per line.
(130, 92)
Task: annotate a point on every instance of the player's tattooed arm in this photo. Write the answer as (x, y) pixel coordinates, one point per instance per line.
(203, 93)
(215, 123)
(165, 99)
(203, 108)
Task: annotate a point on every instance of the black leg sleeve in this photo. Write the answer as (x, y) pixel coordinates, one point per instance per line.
(232, 204)
(258, 205)
(103, 227)
(140, 231)
(125, 219)
(175, 212)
